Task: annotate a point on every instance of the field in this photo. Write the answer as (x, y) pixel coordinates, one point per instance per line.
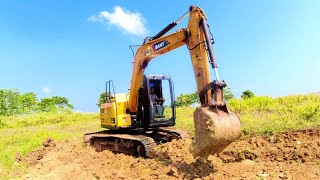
(274, 144)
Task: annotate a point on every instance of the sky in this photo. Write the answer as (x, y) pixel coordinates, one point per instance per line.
(71, 48)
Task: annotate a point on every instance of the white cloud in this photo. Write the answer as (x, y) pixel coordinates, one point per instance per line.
(46, 90)
(129, 22)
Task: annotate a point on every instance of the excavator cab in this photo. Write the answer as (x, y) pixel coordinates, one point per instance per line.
(158, 101)
(160, 93)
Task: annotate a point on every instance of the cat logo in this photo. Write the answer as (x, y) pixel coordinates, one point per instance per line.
(160, 45)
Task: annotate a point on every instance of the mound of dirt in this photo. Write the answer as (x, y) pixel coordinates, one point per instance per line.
(34, 156)
(68, 158)
(293, 155)
(299, 146)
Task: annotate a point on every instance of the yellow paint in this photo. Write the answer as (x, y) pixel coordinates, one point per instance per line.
(108, 114)
(113, 114)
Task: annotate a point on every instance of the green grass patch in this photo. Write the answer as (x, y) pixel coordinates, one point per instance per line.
(184, 119)
(63, 119)
(264, 115)
(22, 134)
(267, 115)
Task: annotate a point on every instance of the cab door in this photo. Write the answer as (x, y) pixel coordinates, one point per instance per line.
(162, 110)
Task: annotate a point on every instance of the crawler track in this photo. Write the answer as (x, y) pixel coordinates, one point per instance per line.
(131, 143)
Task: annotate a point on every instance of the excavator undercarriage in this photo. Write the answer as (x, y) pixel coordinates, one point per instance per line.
(139, 143)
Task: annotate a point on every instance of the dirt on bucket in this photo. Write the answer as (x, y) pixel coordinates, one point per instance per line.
(213, 131)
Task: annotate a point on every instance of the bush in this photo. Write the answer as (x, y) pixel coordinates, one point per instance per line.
(247, 94)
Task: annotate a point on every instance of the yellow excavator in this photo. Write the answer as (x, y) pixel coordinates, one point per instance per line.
(136, 122)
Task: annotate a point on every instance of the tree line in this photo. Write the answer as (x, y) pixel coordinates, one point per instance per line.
(13, 102)
(191, 98)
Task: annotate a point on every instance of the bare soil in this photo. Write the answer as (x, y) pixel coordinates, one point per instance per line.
(289, 155)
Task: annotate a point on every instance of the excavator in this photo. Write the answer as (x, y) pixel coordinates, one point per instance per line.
(135, 122)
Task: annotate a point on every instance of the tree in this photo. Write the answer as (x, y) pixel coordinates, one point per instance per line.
(9, 102)
(54, 103)
(28, 102)
(13, 102)
(247, 94)
(227, 93)
(187, 99)
(102, 99)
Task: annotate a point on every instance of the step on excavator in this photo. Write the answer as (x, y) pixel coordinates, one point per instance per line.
(136, 121)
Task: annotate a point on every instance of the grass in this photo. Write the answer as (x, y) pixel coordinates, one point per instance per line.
(22, 134)
(259, 115)
(267, 115)
(184, 119)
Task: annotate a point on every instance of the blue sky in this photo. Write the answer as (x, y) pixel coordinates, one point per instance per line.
(71, 48)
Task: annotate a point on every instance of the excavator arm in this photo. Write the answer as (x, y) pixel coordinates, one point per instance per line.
(215, 126)
(196, 38)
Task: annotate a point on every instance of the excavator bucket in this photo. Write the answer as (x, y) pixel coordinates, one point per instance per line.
(214, 131)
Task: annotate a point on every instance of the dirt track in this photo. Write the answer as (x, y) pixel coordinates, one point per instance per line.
(291, 155)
